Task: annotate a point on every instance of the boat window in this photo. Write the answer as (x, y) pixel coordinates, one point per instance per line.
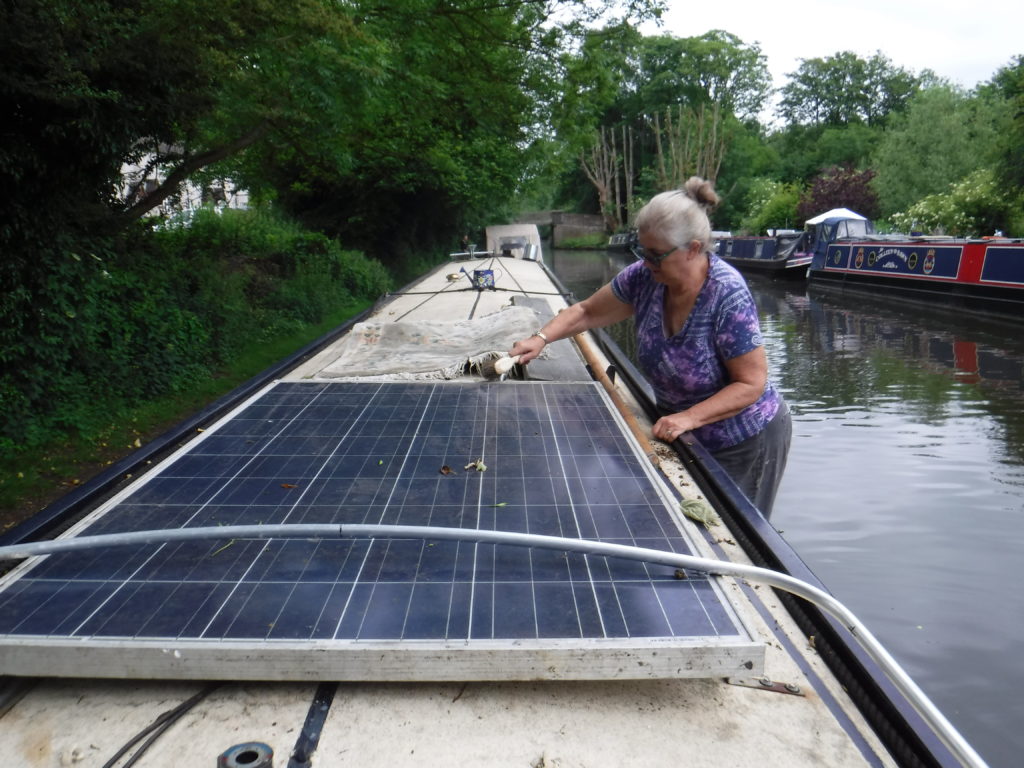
(854, 228)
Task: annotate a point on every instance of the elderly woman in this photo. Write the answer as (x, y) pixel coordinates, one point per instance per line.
(698, 340)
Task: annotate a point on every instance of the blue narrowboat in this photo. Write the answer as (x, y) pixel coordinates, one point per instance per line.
(980, 274)
(779, 255)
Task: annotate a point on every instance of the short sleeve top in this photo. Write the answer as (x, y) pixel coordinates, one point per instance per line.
(689, 367)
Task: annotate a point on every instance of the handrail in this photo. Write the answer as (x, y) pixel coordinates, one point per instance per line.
(960, 748)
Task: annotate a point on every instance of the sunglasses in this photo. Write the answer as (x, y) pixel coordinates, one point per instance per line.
(639, 252)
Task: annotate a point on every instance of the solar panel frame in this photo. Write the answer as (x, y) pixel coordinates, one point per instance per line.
(373, 452)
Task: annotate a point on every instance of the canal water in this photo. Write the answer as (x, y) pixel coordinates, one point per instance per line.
(904, 491)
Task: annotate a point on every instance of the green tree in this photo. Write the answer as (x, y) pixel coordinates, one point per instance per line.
(634, 82)
(598, 85)
(771, 205)
(944, 135)
(844, 88)
(748, 158)
(714, 68)
(805, 150)
(1008, 83)
(286, 95)
(460, 114)
(90, 86)
(439, 144)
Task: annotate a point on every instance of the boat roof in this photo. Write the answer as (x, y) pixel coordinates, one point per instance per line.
(835, 213)
(793, 711)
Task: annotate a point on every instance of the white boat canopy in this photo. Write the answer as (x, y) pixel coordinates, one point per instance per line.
(843, 213)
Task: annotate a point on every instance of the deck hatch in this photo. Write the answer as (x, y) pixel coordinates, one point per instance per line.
(555, 459)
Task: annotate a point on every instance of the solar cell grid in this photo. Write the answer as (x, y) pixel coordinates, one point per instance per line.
(557, 462)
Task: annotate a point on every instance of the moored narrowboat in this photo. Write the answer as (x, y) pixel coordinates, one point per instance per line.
(620, 241)
(979, 274)
(777, 255)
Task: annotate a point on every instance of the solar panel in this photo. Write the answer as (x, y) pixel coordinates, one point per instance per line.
(535, 457)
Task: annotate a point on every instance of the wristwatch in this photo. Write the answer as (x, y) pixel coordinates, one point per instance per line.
(541, 334)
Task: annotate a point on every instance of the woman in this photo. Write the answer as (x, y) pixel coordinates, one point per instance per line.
(698, 339)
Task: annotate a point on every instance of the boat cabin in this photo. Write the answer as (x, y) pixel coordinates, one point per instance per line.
(820, 234)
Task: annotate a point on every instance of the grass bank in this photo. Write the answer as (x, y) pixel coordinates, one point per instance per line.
(41, 474)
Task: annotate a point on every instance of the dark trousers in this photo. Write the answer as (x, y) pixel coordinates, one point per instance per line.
(758, 463)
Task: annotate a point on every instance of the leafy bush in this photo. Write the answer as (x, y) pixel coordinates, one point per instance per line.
(157, 311)
(974, 206)
(772, 205)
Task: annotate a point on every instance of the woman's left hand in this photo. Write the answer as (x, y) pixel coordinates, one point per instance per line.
(669, 428)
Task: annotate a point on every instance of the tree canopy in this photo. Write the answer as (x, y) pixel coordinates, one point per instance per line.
(302, 100)
(943, 135)
(1008, 84)
(400, 124)
(844, 88)
(714, 68)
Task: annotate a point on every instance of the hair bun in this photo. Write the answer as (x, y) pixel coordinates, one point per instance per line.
(701, 191)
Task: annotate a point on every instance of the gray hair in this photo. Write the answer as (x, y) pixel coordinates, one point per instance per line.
(681, 215)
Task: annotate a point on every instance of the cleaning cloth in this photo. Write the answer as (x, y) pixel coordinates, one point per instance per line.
(428, 350)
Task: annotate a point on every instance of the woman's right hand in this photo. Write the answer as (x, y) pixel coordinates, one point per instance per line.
(528, 348)
(601, 309)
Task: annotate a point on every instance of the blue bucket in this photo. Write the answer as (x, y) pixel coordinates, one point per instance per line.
(483, 278)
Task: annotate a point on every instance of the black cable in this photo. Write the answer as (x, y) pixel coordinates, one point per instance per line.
(519, 287)
(476, 301)
(431, 295)
(496, 288)
(309, 736)
(157, 728)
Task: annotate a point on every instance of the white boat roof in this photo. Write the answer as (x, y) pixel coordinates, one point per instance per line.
(836, 213)
(795, 713)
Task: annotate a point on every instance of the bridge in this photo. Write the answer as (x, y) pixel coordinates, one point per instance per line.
(563, 226)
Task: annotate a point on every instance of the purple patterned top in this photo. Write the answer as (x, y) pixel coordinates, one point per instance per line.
(688, 367)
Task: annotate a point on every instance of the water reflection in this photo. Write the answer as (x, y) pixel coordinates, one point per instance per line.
(870, 351)
(583, 272)
(905, 486)
(905, 489)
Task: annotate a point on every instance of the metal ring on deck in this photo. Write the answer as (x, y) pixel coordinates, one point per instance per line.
(252, 754)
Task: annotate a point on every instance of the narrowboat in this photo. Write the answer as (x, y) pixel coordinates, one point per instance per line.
(380, 552)
(977, 274)
(779, 255)
(520, 241)
(620, 241)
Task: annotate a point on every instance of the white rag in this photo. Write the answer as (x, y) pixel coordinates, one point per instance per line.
(428, 350)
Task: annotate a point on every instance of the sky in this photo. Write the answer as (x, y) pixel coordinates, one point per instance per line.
(965, 41)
